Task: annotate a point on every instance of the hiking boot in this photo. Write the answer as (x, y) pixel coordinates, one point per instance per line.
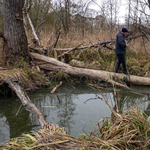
(117, 72)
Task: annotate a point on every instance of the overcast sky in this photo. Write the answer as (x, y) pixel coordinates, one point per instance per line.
(96, 6)
(122, 10)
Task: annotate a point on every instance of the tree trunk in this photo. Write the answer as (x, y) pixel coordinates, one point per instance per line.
(53, 64)
(16, 44)
(149, 4)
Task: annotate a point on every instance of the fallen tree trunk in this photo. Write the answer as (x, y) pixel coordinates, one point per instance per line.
(29, 106)
(53, 64)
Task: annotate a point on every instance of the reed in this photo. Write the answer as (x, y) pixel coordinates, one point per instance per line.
(130, 130)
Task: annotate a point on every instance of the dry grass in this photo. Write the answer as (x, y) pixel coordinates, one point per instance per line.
(51, 137)
(48, 36)
(30, 78)
(100, 58)
(129, 131)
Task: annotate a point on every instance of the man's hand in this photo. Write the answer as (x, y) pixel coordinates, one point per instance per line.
(127, 45)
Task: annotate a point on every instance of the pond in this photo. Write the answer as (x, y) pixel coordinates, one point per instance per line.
(76, 107)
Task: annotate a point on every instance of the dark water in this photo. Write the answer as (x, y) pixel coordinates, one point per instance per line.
(74, 107)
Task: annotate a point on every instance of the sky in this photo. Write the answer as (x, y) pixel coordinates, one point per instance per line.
(122, 10)
(121, 14)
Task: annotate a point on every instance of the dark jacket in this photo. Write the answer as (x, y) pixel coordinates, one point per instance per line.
(120, 44)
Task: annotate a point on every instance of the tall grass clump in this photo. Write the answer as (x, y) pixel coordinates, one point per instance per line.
(130, 130)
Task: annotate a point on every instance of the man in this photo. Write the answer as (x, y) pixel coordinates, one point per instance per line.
(121, 50)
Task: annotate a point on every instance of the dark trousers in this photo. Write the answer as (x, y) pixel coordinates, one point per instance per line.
(121, 60)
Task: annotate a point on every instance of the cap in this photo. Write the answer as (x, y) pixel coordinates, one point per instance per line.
(124, 30)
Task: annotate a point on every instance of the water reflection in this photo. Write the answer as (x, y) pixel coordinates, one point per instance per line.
(128, 99)
(74, 108)
(10, 124)
(66, 111)
(58, 108)
(69, 110)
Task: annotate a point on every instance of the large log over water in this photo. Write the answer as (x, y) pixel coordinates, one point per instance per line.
(48, 63)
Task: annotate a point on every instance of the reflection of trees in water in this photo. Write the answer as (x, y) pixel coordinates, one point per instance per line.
(127, 99)
(37, 99)
(147, 110)
(66, 111)
(4, 129)
(60, 104)
(15, 124)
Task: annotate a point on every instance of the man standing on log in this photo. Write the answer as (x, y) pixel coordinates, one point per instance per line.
(121, 50)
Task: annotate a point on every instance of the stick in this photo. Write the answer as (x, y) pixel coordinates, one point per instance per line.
(33, 30)
(56, 87)
(57, 39)
(54, 45)
(70, 50)
(19, 110)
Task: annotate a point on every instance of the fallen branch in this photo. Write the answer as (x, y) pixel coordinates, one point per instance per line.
(26, 101)
(53, 45)
(33, 30)
(95, 86)
(86, 47)
(56, 87)
(69, 51)
(19, 110)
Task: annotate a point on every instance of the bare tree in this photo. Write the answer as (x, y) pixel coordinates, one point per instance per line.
(139, 11)
(40, 11)
(129, 11)
(111, 13)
